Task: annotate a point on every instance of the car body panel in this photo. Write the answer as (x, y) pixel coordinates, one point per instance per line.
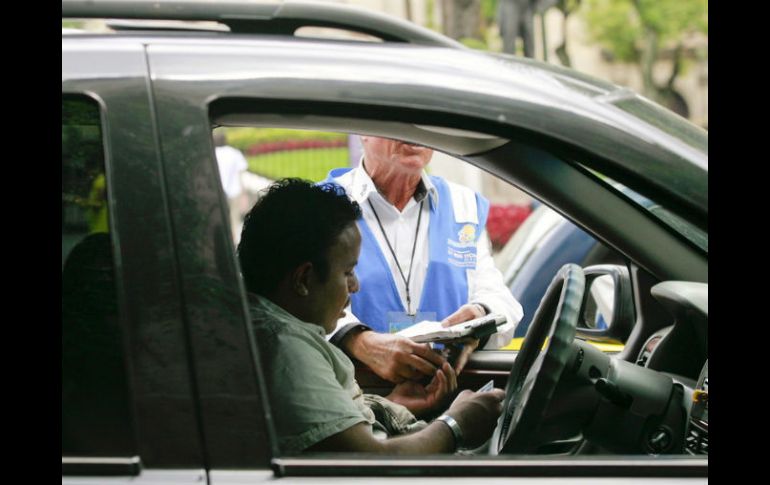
(504, 90)
(212, 287)
(150, 302)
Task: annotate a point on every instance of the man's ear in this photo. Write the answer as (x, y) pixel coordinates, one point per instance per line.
(300, 278)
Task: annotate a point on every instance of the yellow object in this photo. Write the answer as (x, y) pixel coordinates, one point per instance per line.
(515, 344)
(97, 206)
(700, 396)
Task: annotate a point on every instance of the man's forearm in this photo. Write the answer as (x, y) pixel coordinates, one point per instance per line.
(347, 338)
(435, 438)
(490, 290)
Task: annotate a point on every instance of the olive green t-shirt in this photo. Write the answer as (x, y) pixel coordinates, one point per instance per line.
(311, 383)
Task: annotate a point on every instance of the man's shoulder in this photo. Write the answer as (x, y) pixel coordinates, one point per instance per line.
(457, 190)
(466, 203)
(341, 176)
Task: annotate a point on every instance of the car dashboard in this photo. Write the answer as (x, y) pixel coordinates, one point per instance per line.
(697, 439)
(681, 351)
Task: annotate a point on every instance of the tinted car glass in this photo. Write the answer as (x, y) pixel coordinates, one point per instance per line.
(95, 412)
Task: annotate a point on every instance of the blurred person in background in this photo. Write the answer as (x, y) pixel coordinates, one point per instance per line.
(232, 164)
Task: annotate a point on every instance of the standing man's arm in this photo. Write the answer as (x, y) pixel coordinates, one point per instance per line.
(487, 293)
(392, 357)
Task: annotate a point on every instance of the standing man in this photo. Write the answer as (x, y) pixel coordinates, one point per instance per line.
(424, 256)
(232, 164)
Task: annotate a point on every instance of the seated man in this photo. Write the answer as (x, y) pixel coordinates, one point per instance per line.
(298, 249)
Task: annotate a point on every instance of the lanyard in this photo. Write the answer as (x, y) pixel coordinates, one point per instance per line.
(414, 246)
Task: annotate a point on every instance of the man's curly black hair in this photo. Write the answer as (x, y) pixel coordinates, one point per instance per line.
(293, 222)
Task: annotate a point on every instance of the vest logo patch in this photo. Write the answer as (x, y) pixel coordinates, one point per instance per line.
(462, 253)
(467, 234)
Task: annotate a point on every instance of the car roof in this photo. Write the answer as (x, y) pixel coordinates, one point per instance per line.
(606, 127)
(277, 17)
(500, 89)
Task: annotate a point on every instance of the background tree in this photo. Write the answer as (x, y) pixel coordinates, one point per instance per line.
(517, 21)
(644, 32)
(566, 7)
(462, 19)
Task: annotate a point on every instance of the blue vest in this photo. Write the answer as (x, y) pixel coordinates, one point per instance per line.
(452, 251)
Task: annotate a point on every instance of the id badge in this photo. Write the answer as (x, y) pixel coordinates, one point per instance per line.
(398, 321)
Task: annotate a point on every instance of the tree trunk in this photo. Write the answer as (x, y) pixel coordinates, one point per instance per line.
(649, 55)
(564, 8)
(462, 18)
(561, 51)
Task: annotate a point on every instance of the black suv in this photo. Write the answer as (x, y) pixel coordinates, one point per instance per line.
(160, 376)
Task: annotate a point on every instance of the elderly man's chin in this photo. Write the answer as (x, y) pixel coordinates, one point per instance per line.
(414, 157)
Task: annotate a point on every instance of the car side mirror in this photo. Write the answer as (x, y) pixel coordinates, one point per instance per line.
(607, 313)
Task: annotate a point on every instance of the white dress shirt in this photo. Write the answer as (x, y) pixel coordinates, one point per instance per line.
(485, 283)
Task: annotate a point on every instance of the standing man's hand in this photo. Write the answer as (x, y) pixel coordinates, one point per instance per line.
(393, 357)
(469, 311)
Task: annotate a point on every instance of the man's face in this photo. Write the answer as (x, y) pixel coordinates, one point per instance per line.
(394, 154)
(328, 298)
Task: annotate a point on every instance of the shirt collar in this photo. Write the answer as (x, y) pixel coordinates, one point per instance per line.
(259, 301)
(362, 186)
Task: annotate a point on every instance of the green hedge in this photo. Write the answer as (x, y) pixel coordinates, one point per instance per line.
(311, 164)
(243, 138)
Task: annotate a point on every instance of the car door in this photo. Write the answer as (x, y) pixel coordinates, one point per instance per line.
(128, 404)
(266, 84)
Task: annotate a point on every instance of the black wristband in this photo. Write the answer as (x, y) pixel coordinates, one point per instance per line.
(343, 332)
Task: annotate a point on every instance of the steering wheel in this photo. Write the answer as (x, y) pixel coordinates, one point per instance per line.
(536, 372)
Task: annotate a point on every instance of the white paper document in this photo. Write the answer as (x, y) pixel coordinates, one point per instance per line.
(431, 331)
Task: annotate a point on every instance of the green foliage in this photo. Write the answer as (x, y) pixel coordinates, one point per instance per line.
(489, 10)
(671, 18)
(243, 138)
(71, 24)
(620, 25)
(474, 43)
(430, 9)
(311, 164)
(615, 25)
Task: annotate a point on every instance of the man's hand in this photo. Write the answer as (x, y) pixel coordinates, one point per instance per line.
(469, 311)
(460, 351)
(477, 413)
(420, 399)
(393, 357)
